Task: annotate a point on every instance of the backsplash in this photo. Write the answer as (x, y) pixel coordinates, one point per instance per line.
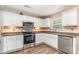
(10, 29)
(70, 30)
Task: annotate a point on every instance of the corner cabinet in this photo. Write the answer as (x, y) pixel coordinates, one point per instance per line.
(49, 39)
(70, 17)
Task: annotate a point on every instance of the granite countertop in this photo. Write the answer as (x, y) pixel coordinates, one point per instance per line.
(42, 31)
(59, 33)
(11, 33)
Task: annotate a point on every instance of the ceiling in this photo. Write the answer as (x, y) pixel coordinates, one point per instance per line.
(37, 10)
(44, 10)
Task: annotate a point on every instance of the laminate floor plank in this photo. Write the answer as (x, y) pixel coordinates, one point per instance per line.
(39, 49)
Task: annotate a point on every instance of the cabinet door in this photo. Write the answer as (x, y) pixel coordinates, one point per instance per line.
(72, 17)
(51, 40)
(65, 19)
(39, 38)
(4, 44)
(37, 22)
(19, 41)
(12, 19)
(51, 23)
(44, 23)
(69, 17)
(11, 43)
(19, 20)
(27, 19)
(9, 18)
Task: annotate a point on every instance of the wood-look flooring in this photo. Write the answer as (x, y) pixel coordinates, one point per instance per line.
(38, 49)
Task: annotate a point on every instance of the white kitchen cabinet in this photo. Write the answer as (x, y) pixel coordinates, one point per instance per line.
(70, 17)
(37, 22)
(1, 17)
(27, 19)
(13, 19)
(39, 38)
(10, 19)
(3, 44)
(45, 23)
(48, 22)
(51, 40)
(10, 43)
(56, 24)
(65, 18)
(18, 21)
(73, 17)
(19, 39)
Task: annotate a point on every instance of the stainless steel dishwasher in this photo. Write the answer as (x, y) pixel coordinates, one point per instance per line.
(65, 44)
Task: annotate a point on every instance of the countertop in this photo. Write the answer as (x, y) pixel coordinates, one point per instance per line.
(42, 31)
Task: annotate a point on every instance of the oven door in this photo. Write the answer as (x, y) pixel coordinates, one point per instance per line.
(29, 39)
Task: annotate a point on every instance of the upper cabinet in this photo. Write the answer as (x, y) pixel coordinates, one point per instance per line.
(27, 18)
(70, 17)
(56, 23)
(45, 22)
(37, 22)
(11, 19)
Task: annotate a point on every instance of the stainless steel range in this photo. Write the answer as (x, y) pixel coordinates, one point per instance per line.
(29, 36)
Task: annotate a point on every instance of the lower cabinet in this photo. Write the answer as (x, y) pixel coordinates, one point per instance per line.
(39, 38)
(50, 39)
(19, 41)
(12, 43)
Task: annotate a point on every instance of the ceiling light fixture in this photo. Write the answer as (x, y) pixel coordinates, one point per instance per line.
(27, 6)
